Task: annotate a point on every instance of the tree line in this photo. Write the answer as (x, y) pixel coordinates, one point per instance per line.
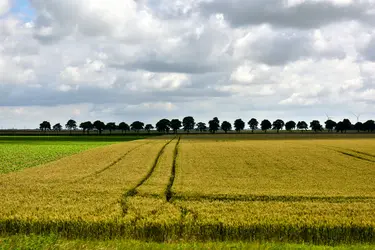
(188, 124)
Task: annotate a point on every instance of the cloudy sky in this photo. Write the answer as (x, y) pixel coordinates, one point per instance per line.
(126, 60)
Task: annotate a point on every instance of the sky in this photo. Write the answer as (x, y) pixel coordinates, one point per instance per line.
(127, 60)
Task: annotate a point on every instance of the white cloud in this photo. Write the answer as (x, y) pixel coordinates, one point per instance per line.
(4, 7)
(146, 60)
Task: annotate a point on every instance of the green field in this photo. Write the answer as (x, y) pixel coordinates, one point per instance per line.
(234, 189)
(19, 152)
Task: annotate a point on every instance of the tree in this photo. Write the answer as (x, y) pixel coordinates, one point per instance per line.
(201, 126)
(330, 125)
(123, 127)
(253, 124)
(176, 124)
(265, 125)
(163, 125)
(340, 127)
(278, 124)
(148, 127)
(369, 125)
(315, 125)
(188, 123)
(215, 119)
(57, 127)
(290, 125)
(86, 126)
(111, 126)
(99, 125)
(302, 125)
(44, 126)
(214, 125)
(71, 124)
(226, 126)
(358, 126)
(239, 125)
(347, 124)
(137, 126)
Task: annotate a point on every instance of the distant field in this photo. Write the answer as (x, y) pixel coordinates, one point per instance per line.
(201, 188)
(19, 152)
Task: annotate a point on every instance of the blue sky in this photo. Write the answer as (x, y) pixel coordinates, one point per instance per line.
(23, 9)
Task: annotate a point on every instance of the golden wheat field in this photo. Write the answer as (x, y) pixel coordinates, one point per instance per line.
(189, 188)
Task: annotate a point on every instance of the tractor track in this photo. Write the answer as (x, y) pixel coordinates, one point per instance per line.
(168, 191)
(110, 165)
(133, 191)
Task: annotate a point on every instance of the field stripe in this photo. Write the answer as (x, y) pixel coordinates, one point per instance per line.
(133, 191)
(112, 164)
(168, 191)
(341, 151)
(355, 156)
(280, 198)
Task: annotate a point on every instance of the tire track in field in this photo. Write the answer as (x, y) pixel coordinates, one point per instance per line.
(168, 191)
(133, 191)
(340, 150)
(355, 156)
(111, 164)
(362, 153)
(274, 198)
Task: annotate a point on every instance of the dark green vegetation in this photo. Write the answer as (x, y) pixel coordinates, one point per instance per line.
(49, 242)
(188, 124)
(51, 139)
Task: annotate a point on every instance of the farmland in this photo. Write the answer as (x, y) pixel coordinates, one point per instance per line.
(200, 188)
(19, 152)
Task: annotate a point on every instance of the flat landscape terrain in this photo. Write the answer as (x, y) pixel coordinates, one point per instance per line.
(193, 188)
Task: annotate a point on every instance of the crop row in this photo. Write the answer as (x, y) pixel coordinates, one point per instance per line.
(199, 190)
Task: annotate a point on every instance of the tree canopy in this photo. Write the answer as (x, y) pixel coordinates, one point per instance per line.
(44, 126)
(226, 126)
(123, 126)
(110, 126)
(302, 125)
(265, 125)
(148, 127)
(330, 125)
(176, 124)
(137, 126)
(71, 124)
(369, 125)
(253, 124)
(358, 126)
(188, 123)
(86, 126)
(99, 125)
(239, 125)
(57, 127)
(290, 125)
(164, 125)
(278, 125)
(315, 125)
(201, 126)
(214, 125)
